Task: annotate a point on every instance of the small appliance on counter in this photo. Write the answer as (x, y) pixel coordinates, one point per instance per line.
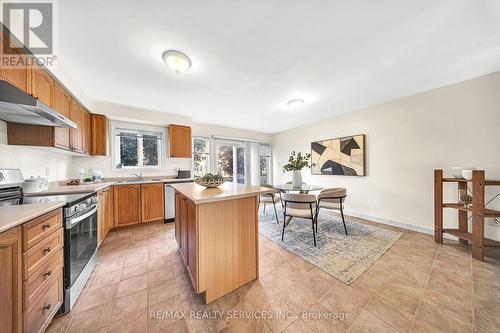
(183, 174)
(37, 184)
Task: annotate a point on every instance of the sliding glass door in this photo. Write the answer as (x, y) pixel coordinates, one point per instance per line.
(230, 160)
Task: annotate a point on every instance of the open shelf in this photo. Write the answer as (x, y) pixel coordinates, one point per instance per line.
(487, 212)
(488, 182)
(468, 236)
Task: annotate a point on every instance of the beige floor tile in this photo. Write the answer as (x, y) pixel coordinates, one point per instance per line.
(158, 263)
(91, 320)
(138, 258)
(161, 292)
(366, 322)
(95, 298)
(403, 293)
(389, 313)
(421, 327)
(132, 323)
(433, 315)
(246, 325)
(129, 304)
(104, 280)
(298, 326)
(488, 322)
(60, 324)
(161, 276)
(134, 270)
(132, 285)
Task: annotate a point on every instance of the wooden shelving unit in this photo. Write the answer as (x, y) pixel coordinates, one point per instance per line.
(478, 210)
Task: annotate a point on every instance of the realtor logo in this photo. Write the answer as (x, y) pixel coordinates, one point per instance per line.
(31, 23)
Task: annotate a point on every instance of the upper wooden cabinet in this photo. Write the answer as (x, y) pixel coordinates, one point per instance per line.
(19, 77)
(62, 104)
(180, 141)
(86, 127)
(99, 133)
(76, 115)
(152, 202)
(11, 281)
(42, 86)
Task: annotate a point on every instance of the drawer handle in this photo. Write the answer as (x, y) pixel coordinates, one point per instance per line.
(47, 250)
(47, 274)
(47, 307)
(46, 226)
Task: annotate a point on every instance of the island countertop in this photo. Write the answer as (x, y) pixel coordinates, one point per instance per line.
(227, 191)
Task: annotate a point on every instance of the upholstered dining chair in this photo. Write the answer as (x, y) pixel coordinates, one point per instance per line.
(299, 205)
(332, 198)
(271, 198)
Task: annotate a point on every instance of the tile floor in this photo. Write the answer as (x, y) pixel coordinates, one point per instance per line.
(417, 286)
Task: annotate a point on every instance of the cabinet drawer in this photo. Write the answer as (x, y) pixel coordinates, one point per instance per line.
(39, 228)
(41, 253)
(38, 282)
(44, 307)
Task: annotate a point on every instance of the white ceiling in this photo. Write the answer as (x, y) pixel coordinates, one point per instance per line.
(250, 57)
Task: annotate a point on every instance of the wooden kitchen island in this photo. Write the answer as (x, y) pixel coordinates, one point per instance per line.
(217, 233)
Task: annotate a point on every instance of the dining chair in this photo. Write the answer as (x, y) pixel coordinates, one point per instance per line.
(332, 198)
(270, 198)
(299, 205)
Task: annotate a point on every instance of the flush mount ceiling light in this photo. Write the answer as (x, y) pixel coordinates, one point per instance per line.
(177, 61)
(295, 103)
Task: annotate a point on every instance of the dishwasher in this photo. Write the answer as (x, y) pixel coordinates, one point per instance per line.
(170, 200)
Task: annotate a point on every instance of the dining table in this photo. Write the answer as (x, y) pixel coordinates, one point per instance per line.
(304, 188)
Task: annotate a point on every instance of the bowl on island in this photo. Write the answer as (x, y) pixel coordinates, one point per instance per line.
(210, 181)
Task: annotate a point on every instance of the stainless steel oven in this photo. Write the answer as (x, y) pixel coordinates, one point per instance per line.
(80, 245)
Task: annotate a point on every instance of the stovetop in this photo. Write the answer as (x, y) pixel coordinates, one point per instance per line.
(70, 199)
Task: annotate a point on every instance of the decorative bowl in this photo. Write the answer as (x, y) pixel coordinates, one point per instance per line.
(209, 183)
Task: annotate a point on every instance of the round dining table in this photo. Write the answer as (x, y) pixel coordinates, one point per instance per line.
(305, 188)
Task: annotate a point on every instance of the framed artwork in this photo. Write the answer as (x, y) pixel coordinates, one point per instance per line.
(342, 156)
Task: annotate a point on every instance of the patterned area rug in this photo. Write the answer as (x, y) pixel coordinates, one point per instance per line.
(343, 257)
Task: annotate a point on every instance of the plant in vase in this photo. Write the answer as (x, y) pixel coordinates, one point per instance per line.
(297, 162)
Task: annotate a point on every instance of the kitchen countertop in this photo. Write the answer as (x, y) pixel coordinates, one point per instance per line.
(96, 187)
(12, 216)
(227, 191)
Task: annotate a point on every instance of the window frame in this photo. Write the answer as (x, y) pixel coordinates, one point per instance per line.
(208, 140)
(115, 146)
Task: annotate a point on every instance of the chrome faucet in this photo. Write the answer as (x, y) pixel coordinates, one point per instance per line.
(139, 176)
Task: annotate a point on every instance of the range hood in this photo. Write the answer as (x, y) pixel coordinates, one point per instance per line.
(16, 106)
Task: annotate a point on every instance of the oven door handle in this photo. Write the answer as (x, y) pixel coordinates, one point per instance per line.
(72, 222)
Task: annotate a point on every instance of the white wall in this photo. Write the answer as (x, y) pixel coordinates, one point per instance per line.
(32, 161)
(149, 117)
(457, 125)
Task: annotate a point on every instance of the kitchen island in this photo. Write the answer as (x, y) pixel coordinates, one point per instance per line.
(217, 233)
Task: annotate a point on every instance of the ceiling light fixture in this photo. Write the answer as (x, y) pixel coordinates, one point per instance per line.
(177, 61)
(295, 103)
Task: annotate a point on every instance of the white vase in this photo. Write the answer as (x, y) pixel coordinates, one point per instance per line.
(296, 178)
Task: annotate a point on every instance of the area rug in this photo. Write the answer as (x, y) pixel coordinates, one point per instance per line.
(343, 257)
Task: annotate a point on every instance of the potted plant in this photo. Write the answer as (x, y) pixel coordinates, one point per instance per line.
(297, 162)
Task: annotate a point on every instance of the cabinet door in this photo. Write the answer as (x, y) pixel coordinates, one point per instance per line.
(10, 281)
(99, 133)
(191, 236)
(62, 104)
(180, 141)
(152, 202)
(127, 204)
(184, 238)
(178, 218)
(75, 115)
(102, 215)
(42, 86)
(16, 76)
(110, 217)
(86, 128)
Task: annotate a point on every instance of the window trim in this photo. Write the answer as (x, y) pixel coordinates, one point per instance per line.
(114, 125)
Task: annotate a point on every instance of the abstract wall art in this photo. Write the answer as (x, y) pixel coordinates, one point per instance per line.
(342, 156)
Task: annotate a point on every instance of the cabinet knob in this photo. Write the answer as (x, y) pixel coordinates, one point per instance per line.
(47, 307)
(46, 250)
(47, 274)
(46, 226)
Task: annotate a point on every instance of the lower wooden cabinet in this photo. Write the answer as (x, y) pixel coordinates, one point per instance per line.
(31, 279)
(10, 281)
(135, 204)
(185, 226)
(127, 205)
(104, 214)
